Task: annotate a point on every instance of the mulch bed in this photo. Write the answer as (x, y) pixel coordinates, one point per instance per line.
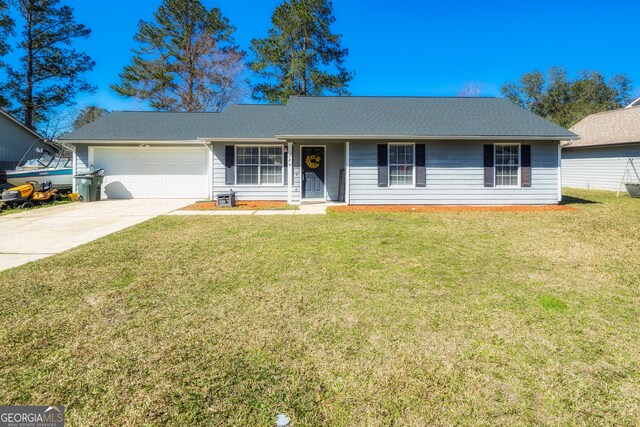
(447, 208)
(255, 205)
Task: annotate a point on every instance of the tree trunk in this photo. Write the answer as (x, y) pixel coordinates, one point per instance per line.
(28, 95)
(304, 70)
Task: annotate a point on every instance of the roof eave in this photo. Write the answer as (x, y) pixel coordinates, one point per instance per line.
(131, 141)
(217, 139)
(435, 137)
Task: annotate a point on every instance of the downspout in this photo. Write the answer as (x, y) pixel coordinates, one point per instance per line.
(560, 147)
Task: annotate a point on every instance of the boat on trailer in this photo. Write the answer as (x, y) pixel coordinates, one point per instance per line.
(54, 164)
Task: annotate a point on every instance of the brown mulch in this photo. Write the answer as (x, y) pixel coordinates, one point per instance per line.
(254, 205)
(448, 208)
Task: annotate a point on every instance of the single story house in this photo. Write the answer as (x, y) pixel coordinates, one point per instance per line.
(608, 141)
(360, 150)
(15, 140)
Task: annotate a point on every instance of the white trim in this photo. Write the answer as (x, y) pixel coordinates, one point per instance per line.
(259, 184)
(635, 103)
(136, 142)
(272, 140)
(560, 171)
(289, 173)
(495, 165)
(347, 172)
(74, 169)
(209, 170)
(432, 137)
(90, 158)
(413, 180)
(324, 162)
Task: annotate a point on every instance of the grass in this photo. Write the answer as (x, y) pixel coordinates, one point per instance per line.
(18, 210)
(451, 318)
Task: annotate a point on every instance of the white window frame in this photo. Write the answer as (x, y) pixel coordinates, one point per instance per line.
(413, 179)
(495, 164)
(259, 165)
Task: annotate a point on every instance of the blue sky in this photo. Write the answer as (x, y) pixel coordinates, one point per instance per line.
(410, 47)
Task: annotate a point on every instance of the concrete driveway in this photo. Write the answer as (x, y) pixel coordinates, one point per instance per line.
(39, 233)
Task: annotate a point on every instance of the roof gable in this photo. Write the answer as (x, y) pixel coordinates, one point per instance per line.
(10, 119)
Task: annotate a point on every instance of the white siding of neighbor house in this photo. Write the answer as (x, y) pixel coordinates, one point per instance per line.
(334, 162)
(599, 168)
(455, 176)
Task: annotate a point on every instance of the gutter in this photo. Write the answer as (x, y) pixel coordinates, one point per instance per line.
(428, 137)
(567, 144)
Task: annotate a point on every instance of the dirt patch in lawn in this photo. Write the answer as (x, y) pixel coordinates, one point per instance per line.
(413, 208)
(255, 205)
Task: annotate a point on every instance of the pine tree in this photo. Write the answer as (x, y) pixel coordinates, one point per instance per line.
(301, 56)
(50, 72)
(186, 60)
(6, 30)
(88, 115)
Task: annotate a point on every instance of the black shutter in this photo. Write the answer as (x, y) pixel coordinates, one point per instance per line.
(421, 165)
(488, 166)
(526, 166)
(383, 163)
(230, 165)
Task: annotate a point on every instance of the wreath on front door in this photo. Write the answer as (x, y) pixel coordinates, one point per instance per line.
(313, 161)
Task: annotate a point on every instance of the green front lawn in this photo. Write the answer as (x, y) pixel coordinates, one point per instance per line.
(346, 319)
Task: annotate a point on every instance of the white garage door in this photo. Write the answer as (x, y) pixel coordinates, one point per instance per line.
(152, 173)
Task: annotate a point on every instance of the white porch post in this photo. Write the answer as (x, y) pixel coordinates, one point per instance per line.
(74, 169)
(347, 173)
(559, 171)
(290, 173)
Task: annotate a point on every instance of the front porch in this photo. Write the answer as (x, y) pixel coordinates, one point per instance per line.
(294, 172)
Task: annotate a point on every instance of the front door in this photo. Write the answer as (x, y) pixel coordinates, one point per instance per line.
(313, 172)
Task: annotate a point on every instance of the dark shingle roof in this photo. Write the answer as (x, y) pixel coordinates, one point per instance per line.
(331, 116)
(147, 126)
(384, 116)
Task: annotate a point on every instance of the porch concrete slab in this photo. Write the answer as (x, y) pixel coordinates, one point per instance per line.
(39, 233)
(312, 209)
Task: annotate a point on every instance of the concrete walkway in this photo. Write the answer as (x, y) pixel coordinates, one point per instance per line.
(39, 233)
(305, 209)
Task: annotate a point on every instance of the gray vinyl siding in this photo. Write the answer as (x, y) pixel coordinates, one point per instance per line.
(599, 168)
(334, 162)
(455, 175)
(243, 192)
(14, 143)
(82, 158)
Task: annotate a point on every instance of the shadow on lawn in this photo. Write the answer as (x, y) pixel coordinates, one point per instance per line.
(568, 200)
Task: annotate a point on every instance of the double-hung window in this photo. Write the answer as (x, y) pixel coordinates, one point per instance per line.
(259, 165)
(401, 165)
(507, 164)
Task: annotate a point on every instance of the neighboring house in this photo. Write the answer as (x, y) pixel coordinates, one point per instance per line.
(361, 150)
(635, 103)
(15, 140)
(599, 158)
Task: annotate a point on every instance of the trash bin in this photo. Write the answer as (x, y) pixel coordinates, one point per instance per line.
(226, 200)
(89, 186)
